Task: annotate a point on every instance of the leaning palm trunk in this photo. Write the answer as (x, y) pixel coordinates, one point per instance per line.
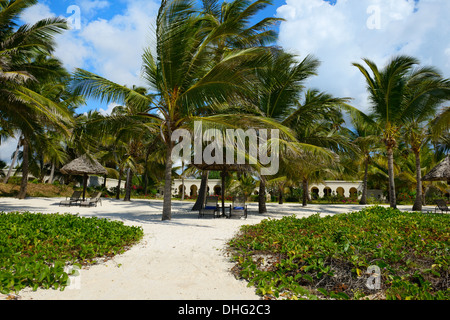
(364, 186)
(25, 167)
(201, 192)
(392, 197)
(418, 201)
(13, 162)
(52, 174)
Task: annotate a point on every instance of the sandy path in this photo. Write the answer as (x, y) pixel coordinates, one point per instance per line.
(182, 259)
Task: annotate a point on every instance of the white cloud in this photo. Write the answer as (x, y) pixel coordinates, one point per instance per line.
(88, 7)
(111, 48)
(348, 31)
(109, 109)
(35, 13)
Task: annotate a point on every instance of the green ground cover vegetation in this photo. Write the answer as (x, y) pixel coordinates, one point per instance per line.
(328, 257)
(35, 248)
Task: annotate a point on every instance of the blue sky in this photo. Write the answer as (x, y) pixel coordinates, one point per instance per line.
(112, 36)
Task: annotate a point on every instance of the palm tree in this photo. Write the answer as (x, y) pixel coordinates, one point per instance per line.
(365, 137)
(235, 17)
(398, 93)
(20, 65)
(279, 99)
(23, 63)
(185, 81)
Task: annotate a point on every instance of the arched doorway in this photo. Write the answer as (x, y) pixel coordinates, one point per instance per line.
(340, 191)
(194, 191)
(180, 190)
(327, 191)
(353, 193)
(217, 190)
(315, 193)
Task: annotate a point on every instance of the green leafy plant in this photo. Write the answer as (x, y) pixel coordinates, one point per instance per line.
(35, 247)
(330, 256)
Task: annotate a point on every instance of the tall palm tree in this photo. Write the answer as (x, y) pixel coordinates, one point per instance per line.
(23, 63)
(365, 137)
(182, 75)
(285, 100)
(20, 65)
(399, 92)
(235, 17)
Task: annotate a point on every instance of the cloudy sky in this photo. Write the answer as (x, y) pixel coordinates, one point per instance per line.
(108, 38)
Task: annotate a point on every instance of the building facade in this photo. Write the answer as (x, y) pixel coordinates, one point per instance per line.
(343, 188)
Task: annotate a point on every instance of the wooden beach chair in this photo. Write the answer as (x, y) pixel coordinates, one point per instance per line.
(75, 198)
(441, 205)
(93, 201)
(211, 206)
(238, 208)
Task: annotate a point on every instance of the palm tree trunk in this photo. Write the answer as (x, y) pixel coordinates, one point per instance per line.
(182, 181)
(262, 196)
(281, 195)
(201, 192)
(25, 168)
(364, 189)
(128, 187)
(392, 198)
(118, 185)
(52, 174)
(305, 193)
(418, 201)
(167, 202)
(13, 162)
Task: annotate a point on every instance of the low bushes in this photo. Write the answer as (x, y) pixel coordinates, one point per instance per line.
(328, 257)
(35, 248)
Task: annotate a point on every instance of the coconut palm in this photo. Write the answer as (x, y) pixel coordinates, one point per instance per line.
(21, 63)
(365, 137)
(281, 99)
(399, 92)
(186, 82)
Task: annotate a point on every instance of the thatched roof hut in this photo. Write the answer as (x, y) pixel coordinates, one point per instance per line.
(439, 173)
(83, 166)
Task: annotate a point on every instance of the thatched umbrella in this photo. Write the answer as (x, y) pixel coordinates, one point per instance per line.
(84, 166)
(439, 173)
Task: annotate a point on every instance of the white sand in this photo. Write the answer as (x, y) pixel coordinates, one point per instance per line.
(181, 259)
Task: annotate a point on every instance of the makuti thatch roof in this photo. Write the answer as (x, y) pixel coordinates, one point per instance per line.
(439, 173)
(83, 165)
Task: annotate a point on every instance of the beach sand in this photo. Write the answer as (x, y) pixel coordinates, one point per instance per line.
(181, 259)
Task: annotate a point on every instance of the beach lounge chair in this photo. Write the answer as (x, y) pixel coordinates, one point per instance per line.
(441, 205)
(238, 208)
(72, 200)
(211, 206)
(93, 201)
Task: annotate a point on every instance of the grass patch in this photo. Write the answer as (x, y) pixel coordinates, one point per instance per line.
(36, 190)
(35, 248)
(328, 257)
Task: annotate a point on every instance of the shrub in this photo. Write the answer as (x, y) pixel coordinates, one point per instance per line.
(34, 248)
(329, 256)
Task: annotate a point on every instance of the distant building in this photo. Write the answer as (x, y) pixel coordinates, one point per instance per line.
(343, 188)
